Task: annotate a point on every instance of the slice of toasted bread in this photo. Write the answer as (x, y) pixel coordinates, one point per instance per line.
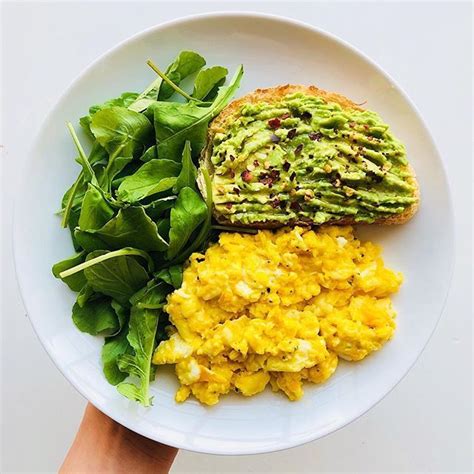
(273, 94)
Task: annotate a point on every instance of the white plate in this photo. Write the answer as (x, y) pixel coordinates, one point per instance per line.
(274, 51)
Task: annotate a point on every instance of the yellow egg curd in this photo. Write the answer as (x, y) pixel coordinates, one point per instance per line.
(276, 308)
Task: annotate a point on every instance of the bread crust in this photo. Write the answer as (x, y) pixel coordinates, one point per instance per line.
(273, 94)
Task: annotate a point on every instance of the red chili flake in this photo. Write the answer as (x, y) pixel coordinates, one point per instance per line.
(232, 158)
(236, 191)
(275, 175)
(352, 124)
(295, 206)
(274, 138)
(266, 179)
(306, 115)
(286, 166)
(228, 205)
(274, 123)
(299, 149)
(256, 163)
(275, 203)
(315, 136)
(292, 133)
(366, 126)
(292, 176)
(246, 176)
(285, 116)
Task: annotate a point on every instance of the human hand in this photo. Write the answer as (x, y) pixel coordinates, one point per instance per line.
(103, 445)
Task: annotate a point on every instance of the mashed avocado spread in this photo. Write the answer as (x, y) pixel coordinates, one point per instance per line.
(303, 159)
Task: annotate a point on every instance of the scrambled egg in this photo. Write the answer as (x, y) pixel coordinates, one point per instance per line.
(276, 308)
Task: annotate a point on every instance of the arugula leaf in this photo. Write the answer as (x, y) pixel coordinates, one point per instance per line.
(186, 215)
(76, 281)
(172, 275)
(121, 311)
(95, 210)
(121, 132)
(203, 234)
(113, 348)
(125, 100)
(141, 336)
(163, 226)
(150, 154)
(132, 227)
(187, 63)
(150, 94)
(87, 170)
(129, 169)
(175, 122)
(94, 260)
(137, 191)
(96, 317)
(87, 240)
(87, 175)
(116, 167)
(84, 295)
(153, 296)
(73, 222)
(207, 82)
(118, 278)
(75, 193)
(156, 208)
(187, 176)
(151, 178)
(147, 97)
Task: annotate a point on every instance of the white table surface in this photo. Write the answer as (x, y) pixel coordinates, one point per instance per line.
(424, 424)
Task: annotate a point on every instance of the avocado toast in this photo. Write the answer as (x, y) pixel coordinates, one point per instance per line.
(300, 155)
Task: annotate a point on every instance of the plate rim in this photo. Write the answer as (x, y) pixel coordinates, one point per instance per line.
(248, 14)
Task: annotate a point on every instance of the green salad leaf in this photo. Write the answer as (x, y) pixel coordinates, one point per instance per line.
(188, 174)
(132, 227)
(186, 215)
(208, 81)
(124, 100)
(121, 132)
(95, 211)
(98, 316)
(141, 336)
(152, 177)
(135, 212)
(172, 275)
(187, 63)
(157, 208)
(85, 294)
(76, 281)
(119, 277)
(150, 154)
(175, 123)
(113, 348)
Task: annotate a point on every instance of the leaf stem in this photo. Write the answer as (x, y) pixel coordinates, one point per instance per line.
(170, 82)
(70, 200)
(127, 251)
(82, 154)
